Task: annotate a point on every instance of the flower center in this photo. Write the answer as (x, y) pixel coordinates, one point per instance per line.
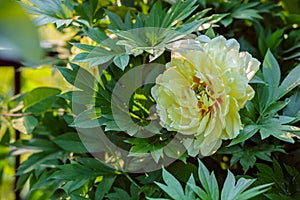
(202, 95)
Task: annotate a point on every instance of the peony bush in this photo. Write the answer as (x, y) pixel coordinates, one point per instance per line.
(166, 99)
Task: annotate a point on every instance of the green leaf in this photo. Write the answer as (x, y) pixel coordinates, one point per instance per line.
(273, 108)
(92, 92)
(275, 39)
(84, 47)
(119, 194)
(293, 56)
(121, 61)
(88, 119)
(178, 12)
(213, 19)
(40, 99)
(189, 192)
(35, 161)
(77, 197)
(293, 108)
(115, 21)
(97, 166)
(231, 189)
(79, 97)
(70, 142)
(246, 11)
(291, 81)
(71, 186)
(90, 12)
(96, 34)
(100, 55)
(198, 15)
(25, 124)
(74, 172)
(59, 193)
(35, 144)
(188, 28)
(257, 79)
(226, 21)
(155, 16)
(247, 155)
(208, 181)
(276, 128)
(210, 33)
(246, 14)
(54, 11)
(172, 187)
(42, 181)
(4, 140)
(104, 187)
(271, 74)
(22, 179)
(78, 77)
(198, 191)
(273, 174)
(245, 134)
(252, 192)
(156, 30)
(275, 196)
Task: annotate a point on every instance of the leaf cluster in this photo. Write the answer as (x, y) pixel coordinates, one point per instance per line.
(135, 33)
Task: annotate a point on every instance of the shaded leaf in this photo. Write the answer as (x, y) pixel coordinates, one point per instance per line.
(291, 81)
(70, 142)
(104, 186)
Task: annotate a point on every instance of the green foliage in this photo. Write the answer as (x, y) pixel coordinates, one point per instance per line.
(262, 114)
(149, 34)
(115, 37)
(231, 190)
(247, 155)
(286, 180)
(39, 100)
(56, 11)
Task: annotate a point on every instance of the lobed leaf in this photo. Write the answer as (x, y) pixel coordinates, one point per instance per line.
(172, 187)
(271, 74)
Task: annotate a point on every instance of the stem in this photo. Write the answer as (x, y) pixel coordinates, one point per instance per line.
(131, 180)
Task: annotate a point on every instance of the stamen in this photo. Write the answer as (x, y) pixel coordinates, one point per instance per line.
(202, 95)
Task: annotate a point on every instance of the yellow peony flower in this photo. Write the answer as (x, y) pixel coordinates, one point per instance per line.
(201, 92)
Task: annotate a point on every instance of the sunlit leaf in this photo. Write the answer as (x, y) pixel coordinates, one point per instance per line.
(25, 124)
(40, 99)
(55, 11)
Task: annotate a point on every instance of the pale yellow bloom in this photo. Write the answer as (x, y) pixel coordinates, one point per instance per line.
(201, 92)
